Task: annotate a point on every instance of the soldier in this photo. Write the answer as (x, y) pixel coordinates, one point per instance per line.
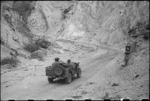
(72, 64)
(130, 47)
(68, 61)
(56, 61)
(127, 55)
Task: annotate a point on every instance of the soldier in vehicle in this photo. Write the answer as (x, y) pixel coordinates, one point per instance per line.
(69, 63)
(56, 61)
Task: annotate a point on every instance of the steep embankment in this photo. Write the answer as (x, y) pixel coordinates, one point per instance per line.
(106, 22)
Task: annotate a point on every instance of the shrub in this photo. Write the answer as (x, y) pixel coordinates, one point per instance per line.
(37, 44)
(12, 61)
(32, 47)
(42, 43)
(141, 28)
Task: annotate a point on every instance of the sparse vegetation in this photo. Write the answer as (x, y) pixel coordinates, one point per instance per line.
(141, 28)
(42, 43)
(31, 47)
(10, 60)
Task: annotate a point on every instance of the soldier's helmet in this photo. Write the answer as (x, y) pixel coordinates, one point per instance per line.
(68, 61)
(57, 59)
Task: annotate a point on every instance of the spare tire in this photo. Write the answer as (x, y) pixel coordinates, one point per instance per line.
(58, 70)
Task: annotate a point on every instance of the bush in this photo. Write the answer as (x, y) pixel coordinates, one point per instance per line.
(42, 43)
(12, 61)
(141, 28)
(32, 47)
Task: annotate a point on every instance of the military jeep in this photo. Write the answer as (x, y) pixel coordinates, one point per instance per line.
(63, 71)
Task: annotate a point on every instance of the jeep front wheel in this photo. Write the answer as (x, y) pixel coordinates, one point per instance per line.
(68, 79)
(79, 73)
(50, 80)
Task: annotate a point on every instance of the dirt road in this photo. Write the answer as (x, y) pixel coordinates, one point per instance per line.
(37, 87)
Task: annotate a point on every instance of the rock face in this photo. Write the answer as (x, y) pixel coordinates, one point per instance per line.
(106, 22)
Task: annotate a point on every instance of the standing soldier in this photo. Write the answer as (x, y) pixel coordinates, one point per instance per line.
(130, 47)
(127, 55)
(127, 52)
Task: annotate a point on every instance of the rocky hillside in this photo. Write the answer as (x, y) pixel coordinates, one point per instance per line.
(105, 22)
(95, 22)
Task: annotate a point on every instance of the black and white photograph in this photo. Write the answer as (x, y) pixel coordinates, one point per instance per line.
(75, 49)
